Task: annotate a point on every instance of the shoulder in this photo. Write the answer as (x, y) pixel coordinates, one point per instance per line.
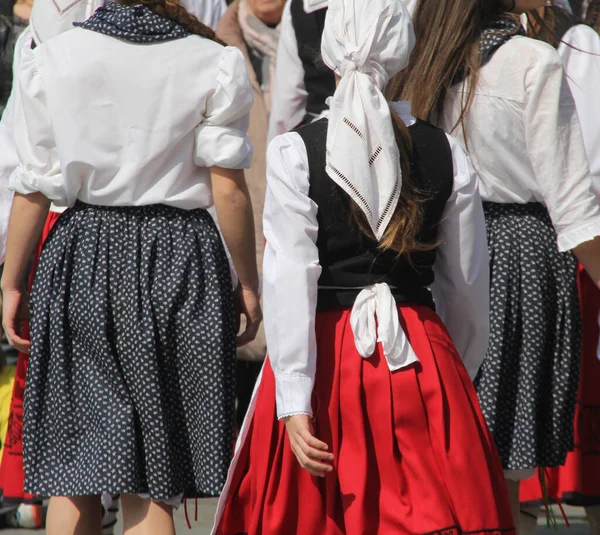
(582, 42)
(580, 36)
(525, 54)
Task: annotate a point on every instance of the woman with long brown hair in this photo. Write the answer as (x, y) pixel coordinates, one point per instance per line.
(577, 481)
(365, 419)
(136, 121)
(505, 96)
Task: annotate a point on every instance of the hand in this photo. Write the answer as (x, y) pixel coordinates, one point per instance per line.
(311, 453)
(249, 301)
(15, 311)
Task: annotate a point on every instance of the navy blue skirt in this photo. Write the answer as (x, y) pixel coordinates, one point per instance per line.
(528, 383)
(130, 387)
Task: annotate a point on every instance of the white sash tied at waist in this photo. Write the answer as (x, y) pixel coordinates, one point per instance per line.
(375, 319)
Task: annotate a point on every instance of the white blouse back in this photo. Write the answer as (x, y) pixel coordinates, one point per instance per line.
(130, 124)
(524, 138)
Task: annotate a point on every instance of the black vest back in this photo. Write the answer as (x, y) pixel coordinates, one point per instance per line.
(319, 80)
(351, 260)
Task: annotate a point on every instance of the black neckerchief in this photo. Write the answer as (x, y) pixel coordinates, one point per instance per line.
(138, 24)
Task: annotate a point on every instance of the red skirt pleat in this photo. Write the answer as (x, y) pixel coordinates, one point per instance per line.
(577, 482)
(412, 452)
(11, 467)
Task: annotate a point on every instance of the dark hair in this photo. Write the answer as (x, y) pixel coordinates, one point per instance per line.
(592, 16)
(401, 235)
(552, 26)
(173, 10)
(448, 34)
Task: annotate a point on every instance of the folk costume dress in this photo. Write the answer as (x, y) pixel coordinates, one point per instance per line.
(130, 385)
(577, 482)
(354, 340)
(524, 137)
(405, 462)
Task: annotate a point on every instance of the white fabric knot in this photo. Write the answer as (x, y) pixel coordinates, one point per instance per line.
(375, 319)
(365, 43)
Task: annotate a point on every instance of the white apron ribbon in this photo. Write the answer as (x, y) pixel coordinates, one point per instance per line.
(375, 319)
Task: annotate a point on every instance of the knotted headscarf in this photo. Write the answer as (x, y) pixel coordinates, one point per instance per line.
(366, 43)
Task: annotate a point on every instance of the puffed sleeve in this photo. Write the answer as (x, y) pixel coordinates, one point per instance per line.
(462, 274)
(580, 52)
(291, 272)
(9, 158)
(221, 138)
(557, 152)
(39, 168)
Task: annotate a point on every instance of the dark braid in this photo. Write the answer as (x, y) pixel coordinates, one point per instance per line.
(592, 16)
(173, 10)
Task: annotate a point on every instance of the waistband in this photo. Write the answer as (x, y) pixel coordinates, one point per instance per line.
(331, 298)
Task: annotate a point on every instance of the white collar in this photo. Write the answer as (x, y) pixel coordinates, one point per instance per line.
(314, 5)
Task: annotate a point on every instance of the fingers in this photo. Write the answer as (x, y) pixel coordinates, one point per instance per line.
(315, 443)
(249, 333)
(20, 344)
(313, 466)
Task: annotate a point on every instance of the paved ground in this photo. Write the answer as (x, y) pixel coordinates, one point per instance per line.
(206, 511)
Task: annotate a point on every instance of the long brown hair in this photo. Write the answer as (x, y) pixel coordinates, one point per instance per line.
(173, 10)
(552, 25)
(401, 235)
(448, 34)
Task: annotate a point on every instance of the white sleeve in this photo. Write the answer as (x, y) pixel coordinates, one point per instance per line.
(39, 166)
(462, 274)
(9, 157)
(581, 59)
(9, 160)
(557, 152)
(288, 106)
(291, 272)
(221, 138)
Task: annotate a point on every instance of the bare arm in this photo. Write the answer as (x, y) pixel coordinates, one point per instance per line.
(27, 218)
(588, 253)
(234, 210)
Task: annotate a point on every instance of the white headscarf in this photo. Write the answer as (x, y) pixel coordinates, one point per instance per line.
(366, 42)
(50, 18)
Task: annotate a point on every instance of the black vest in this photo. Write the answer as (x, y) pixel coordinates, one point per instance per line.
(319, 80)
(351, 260)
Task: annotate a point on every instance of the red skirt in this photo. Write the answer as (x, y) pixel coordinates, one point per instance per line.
(11, 467)
(412, 452)
(577, 482)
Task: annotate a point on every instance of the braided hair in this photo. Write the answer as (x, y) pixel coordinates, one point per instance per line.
(173, 10)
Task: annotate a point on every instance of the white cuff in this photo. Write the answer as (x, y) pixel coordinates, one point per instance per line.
(223, 147)
(571, 238)
(293, 394)
(23, 181)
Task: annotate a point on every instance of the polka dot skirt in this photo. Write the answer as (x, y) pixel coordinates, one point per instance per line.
(528, 382)
(130, 387)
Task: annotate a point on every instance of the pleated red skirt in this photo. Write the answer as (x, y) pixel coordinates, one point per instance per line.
(11, 467)
(577, 482)
(412, 452)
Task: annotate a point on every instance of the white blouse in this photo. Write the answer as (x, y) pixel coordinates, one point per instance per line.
(291, 269)
(580, 52)
(524, 138)
(79, 102)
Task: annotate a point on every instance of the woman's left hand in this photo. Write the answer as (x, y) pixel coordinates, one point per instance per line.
(15, 311)
(311, 453)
